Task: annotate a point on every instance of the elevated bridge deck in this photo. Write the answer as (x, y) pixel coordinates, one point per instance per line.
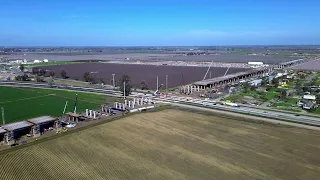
(232, 77)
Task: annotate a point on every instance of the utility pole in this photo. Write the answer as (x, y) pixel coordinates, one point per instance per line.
(166, 83)
(114, 84)
(124, 89)
(3, 120)
(157, 82)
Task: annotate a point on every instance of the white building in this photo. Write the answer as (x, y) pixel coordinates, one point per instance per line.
(45, 60)
(37, 61)
(255, 63)
(309, 97)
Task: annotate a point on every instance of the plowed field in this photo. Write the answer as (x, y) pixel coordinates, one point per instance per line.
(177, 75)
(171, 145)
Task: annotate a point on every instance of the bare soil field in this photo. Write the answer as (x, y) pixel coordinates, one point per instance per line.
(139, 73)
(171, 144)
(150, 56)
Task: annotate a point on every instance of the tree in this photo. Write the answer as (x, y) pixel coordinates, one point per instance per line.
(268, 88)
(51, 73)
(50, 82)
(318, 99)
(22, 78)
(101, 80)
(127, 80)
(86, 76)
(252, 88)
(63, 74)
(38, 79)
(21, 67)
(246, 87)
(313, 82)
(275, 82)
(283, 94)
(305, 89)
(35, 70)
(42, 72)
(298, 85)
(144, 85)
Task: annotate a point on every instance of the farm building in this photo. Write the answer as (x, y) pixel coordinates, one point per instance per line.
(16, 130)
(42, 123)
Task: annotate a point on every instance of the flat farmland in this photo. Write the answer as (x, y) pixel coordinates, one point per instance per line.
(150, 55)
(23, 103)
(139, 73)
(170, 144)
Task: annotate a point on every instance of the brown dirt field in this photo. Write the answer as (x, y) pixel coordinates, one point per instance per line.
(139, 73)
(171, 144)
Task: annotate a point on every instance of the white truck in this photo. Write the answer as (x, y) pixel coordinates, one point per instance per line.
(231, 104)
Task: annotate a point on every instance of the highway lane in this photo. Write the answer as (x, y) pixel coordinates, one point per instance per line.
(243, 110)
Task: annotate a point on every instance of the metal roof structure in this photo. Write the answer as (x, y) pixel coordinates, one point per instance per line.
(2, 130)
(42, 119)
(17, 125)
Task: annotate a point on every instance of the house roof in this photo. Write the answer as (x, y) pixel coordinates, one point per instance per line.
(17, 125)
(42, 119)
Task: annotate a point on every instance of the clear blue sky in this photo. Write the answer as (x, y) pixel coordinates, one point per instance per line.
(158, 22)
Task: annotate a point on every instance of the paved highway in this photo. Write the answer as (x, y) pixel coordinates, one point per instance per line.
(182, 100)
(243, 110)
(109, 92)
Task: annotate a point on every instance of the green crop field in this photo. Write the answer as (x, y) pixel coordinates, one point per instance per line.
(169, 145)
(23, 103)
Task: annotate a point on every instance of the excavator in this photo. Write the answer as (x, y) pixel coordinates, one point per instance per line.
(156, 92)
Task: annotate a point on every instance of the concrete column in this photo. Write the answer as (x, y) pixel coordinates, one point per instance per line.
(199, 88)
(188, 88)
(116, 105)
(149, 101)
(134, 101)
(87, 112)
(90, 113)
(33, 133)
(6, 138)
(125, 103)
(119, 106)
(94, 114)
(129, 104)
(133, 104)
(123, 107)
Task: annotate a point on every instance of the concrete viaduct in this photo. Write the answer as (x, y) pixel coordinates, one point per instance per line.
(231, 78)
